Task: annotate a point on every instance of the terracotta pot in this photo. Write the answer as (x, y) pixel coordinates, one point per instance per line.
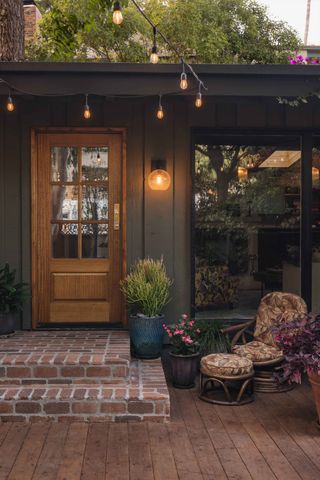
(314, 379)
(184, 369)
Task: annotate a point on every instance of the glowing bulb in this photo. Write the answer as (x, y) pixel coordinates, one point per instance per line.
(160, 113)
(10, 104)
(87, 112)
(199, 101)
(154, 58)
(117, 16)
(159, 180)
(183, 81)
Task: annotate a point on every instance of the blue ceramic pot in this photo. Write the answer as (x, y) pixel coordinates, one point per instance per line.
(146, 335)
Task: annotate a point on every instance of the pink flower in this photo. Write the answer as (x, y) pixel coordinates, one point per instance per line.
(191, 323)
(198, 330)
(187, 340)
(184, 316)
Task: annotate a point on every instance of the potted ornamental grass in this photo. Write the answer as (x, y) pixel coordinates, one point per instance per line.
(299, 341)
(12, 297)
(184, 337)
(146, 289)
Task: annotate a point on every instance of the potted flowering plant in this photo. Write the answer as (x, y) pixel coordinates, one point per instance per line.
(299, 341)
(184, 336)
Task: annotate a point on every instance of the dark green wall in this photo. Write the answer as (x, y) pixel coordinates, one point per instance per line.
(158, 223)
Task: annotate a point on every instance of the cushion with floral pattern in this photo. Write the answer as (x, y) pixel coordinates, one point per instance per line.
(225, 364)
(258, 352)
(276, 308)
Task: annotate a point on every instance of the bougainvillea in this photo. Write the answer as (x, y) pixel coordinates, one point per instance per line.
(301, 60)
(299, 341)
(184, 335)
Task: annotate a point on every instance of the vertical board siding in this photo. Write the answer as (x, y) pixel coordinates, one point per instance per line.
(158, 223)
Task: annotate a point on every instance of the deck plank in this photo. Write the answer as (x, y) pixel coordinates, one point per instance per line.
(205, 452)
(50, 458)
(94, 462)
(73, 453)
(29, 454)
(11, 447)
(4, 429)
(118, 452)
(139, 453)
(160, 450)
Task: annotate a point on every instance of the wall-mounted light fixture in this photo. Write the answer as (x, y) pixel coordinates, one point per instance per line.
(159, 178)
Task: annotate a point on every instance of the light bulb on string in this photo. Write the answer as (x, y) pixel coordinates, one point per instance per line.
(154, 58)
(160, 112)
(199, 101)
(10, 105)
(117, 16)
(87, 111)
(183, 79)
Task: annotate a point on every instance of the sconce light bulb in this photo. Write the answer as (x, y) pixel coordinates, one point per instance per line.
(154, 58)
(160, 113)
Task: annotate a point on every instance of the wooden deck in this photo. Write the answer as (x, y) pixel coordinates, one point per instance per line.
(275, 437)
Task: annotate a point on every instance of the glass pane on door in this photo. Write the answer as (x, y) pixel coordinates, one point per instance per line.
(94, 203)
(64, 164)
(94, 241)
(94, 164)
(64, 240)
(64, 202)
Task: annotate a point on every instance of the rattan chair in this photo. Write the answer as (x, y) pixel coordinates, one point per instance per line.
(262, 350)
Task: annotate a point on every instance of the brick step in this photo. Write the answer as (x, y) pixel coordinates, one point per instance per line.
(64, 357)
(129, 401)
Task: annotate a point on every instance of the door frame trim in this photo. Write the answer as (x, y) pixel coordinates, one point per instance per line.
(34, 206)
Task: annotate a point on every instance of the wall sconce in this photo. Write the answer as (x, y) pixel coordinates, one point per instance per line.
(159, 178)
(242, 173)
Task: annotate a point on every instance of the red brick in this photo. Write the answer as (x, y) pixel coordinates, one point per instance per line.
(6, 407)
(18, 372)
(128, 418)
(84, 407)
(13, 418)
(70, 418)
(2, 371)
(79, 393)
(57, 407)
(72, 371)
(140, 407)
(28, 407)
(45, 372)
(120, 372)
(113, 407)
(98, 371)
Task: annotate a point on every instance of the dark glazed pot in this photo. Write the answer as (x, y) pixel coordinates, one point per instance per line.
(184, 369)
(7, 323)
(146, 335)
(314, 379)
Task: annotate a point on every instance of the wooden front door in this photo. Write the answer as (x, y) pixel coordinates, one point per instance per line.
(77, 227)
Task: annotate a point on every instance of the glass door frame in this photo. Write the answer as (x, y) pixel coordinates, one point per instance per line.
(306, 145)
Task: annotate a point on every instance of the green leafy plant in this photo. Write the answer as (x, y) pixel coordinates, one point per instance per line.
(12, 295)
(147, 287)
(211, 337)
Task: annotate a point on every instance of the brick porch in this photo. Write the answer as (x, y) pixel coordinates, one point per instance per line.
(78, 375)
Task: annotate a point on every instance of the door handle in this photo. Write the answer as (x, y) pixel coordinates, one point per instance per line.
(116, 216)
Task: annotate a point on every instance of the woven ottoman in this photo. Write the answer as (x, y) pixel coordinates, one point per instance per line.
(226, 379)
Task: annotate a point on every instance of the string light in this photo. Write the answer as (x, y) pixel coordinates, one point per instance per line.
(160, 112)
(87, 111)
(183, 78)
(199, 101)
(154, 58)
(10, 105)
(117, 16)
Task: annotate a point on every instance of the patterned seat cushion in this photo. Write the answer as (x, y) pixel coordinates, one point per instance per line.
(258, 352)
(275, 308)
(225, 364)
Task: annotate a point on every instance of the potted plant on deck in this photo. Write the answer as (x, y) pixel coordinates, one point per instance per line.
(12, 296)
(147, 292)
(299, 341)
(184, 336)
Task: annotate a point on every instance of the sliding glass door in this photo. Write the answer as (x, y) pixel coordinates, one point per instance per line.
(247, 207)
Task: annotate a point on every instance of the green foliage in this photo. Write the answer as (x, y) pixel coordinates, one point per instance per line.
(211, 338)
(12, 295)
(203, 31)
(147, 287)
